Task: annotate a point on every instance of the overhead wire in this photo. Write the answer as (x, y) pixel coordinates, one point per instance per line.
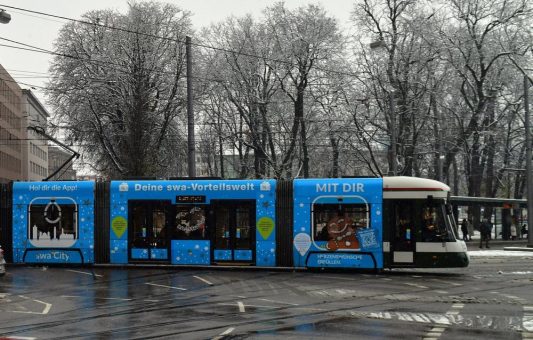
(101, 63)
(181, 41)
(31, 48)
(23, 83)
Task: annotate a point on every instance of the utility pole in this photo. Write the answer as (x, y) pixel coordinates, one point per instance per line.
(191, 154)
(529, 167)
(393, 152)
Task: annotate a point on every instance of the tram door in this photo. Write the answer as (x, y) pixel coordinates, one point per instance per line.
(403, 233)
(234, 232)
(148, 236)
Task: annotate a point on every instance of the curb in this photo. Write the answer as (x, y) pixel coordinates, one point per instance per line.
(518, 248)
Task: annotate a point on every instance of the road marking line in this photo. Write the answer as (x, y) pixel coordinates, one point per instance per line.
(47, 306)
(456, 308)
(163, 286)
(96, 298)
(442, 322)
(20, 337)
(527, 319)
(80, 272)
(227, 331)
(448, 282)
(435, 333)
(438, 329)
(405, 317)
(223, 334)
(415, 285)
(203, 280)
(512, 297)
(241, 306)
(421, 318)
(148, 300)
(256, 306)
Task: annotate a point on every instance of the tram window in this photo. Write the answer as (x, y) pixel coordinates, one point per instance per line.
(337, 224)
(159, 228)
(53, 221)
(190, 222)
(242, 228)
(404, 231)
(434, 226)
(139, 224)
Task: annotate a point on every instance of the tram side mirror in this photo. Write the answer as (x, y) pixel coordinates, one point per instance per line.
(449, 209)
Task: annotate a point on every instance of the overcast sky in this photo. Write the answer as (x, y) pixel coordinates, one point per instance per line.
(37, 30)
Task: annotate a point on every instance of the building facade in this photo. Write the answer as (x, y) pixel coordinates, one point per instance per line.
(13, 133)
(56, 158)
(35, 150)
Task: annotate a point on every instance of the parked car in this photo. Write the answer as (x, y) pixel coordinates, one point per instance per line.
(2, 262)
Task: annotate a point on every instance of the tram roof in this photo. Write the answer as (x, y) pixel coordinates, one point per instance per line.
(398, 183)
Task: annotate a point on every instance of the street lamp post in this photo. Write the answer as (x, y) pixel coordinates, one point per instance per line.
(191, 152)
(529, 167)
(5, 17)
(392, 151)
(394, 165)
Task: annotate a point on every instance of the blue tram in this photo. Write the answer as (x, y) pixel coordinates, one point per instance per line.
(365, 223)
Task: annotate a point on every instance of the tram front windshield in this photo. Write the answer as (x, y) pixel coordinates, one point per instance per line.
(436, 223)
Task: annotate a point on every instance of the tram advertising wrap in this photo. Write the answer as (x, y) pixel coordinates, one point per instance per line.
(193, 222)
(338, 223)
(355, 223)
(53, 222)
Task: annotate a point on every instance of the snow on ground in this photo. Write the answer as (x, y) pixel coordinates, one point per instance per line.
(499, 253)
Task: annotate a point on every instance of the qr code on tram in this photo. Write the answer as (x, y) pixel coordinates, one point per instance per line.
(367, 239)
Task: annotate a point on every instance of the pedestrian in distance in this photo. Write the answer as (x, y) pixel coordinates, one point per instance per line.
(513, 232)
(485, 229)
(470, 229)
(464, 229)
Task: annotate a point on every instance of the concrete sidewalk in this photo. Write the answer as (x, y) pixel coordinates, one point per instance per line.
(514, 245)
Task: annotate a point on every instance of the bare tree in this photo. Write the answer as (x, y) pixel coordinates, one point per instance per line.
(242, 58)
(401, 77)
(306, 38)
(117, 87)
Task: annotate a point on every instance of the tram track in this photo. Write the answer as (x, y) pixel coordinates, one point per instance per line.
(139, 306)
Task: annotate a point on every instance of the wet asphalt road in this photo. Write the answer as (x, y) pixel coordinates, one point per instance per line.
(492, 299)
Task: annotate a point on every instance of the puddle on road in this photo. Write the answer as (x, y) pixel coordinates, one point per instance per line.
(328, 327)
